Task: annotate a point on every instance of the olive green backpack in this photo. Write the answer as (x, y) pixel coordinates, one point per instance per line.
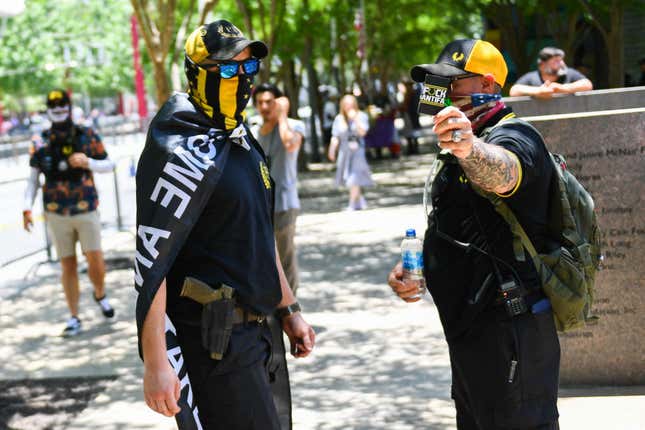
(567, 273)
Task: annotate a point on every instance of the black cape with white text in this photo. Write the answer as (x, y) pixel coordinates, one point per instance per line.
(179, 131)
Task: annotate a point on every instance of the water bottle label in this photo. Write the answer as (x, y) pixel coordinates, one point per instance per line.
(412, 262)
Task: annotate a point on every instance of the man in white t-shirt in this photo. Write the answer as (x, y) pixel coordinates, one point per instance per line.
(281, 138)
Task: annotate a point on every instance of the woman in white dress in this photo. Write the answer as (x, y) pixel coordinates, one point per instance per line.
(352, 170)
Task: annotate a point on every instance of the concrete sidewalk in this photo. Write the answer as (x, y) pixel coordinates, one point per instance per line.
(379, 363)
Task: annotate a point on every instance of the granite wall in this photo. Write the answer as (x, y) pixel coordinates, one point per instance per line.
(606, 152)
(589, 101)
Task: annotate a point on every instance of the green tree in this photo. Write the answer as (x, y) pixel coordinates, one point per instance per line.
(525, 24)
(84, 46)
(158, 24)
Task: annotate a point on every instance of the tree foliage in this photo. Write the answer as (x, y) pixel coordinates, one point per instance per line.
(81, 45)
(86, 45)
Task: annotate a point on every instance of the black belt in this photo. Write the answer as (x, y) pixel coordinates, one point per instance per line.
(241, 316)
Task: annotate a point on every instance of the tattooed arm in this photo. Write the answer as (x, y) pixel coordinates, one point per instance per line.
(491, 167)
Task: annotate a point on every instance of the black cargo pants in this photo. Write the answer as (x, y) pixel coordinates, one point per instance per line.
(505, 372)
(232, 393)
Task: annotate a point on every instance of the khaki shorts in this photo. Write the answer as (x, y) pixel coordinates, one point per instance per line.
(65, 230)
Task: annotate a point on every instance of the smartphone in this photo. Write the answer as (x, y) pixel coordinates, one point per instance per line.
(434, 95)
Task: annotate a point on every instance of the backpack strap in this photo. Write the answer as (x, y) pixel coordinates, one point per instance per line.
(521, 240)
(437, 165)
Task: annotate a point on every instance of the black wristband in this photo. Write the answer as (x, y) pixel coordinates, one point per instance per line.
(287, 310)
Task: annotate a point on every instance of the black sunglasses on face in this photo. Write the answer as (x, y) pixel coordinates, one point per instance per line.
(56, 103)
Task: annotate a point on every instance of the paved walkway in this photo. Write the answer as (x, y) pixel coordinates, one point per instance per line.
(379, 363)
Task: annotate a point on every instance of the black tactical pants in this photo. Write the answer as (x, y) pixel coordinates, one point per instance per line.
(505, 372)
(232, 393)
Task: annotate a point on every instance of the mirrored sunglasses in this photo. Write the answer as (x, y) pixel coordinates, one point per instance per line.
(229, 69)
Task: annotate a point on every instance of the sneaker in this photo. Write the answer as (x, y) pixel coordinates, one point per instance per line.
(72, 328)
(106, 309)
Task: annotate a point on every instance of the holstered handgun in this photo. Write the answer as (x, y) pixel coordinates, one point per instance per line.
(217, 314)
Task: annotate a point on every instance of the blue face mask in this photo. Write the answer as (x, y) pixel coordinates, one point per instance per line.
(479, 99)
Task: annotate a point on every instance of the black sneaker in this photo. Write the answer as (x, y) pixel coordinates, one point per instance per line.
(72, 328)
(103, 303)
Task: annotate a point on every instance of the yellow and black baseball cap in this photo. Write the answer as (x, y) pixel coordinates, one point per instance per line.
(57, 97)
(220, 40)
(463, 57)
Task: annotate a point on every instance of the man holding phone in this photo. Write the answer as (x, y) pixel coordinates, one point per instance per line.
(505, 365)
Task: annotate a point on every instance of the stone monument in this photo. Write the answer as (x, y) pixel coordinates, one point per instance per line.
(606, 152)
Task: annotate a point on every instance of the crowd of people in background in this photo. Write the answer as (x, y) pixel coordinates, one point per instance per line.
(251, 212)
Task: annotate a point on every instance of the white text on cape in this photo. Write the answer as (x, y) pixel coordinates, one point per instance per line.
(197, 156)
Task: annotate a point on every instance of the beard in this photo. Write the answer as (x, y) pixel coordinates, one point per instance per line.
(560, 71)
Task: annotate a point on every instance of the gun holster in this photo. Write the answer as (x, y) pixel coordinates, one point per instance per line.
(217, 314)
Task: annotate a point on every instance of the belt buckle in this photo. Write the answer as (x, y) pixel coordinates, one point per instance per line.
(261, 319)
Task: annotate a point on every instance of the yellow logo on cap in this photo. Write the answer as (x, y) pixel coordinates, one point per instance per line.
(55, 95)
(227, 31)
(458, 56)
(264, 171)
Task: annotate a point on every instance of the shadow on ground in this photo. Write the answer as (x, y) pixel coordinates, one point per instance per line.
(46, 403)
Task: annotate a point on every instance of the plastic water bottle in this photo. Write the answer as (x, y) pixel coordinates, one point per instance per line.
(412, 258)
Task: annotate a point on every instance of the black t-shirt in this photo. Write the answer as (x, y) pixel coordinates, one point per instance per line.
(232, 242)
(455, 276)
(535, 80)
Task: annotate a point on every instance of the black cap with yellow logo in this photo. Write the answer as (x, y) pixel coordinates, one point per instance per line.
(220, 40)
(463, 57)
(57, 97)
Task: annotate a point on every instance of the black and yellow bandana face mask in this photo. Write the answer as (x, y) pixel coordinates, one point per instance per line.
(223, 100)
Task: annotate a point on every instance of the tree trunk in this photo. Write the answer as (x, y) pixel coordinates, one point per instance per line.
(510, 20)
(157, 27)
(312, 84)
(613, 36)
(312, 78)
(615, 46)
(342, 73)
(290, 84)
(162, 89)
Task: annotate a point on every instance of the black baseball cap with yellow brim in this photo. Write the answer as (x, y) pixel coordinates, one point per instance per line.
(220, 40)
(463, 57)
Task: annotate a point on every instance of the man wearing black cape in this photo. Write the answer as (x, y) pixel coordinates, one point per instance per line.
(204, 223)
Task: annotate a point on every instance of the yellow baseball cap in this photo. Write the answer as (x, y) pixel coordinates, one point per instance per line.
(462, 57)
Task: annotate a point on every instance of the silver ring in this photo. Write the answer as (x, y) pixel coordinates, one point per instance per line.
(456, 136)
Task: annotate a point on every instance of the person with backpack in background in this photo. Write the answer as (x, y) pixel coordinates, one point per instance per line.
(497, 319)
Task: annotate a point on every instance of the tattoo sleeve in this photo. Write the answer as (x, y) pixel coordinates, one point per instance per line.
(491, 167)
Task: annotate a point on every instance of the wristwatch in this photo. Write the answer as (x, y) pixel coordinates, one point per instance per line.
(280, 313)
